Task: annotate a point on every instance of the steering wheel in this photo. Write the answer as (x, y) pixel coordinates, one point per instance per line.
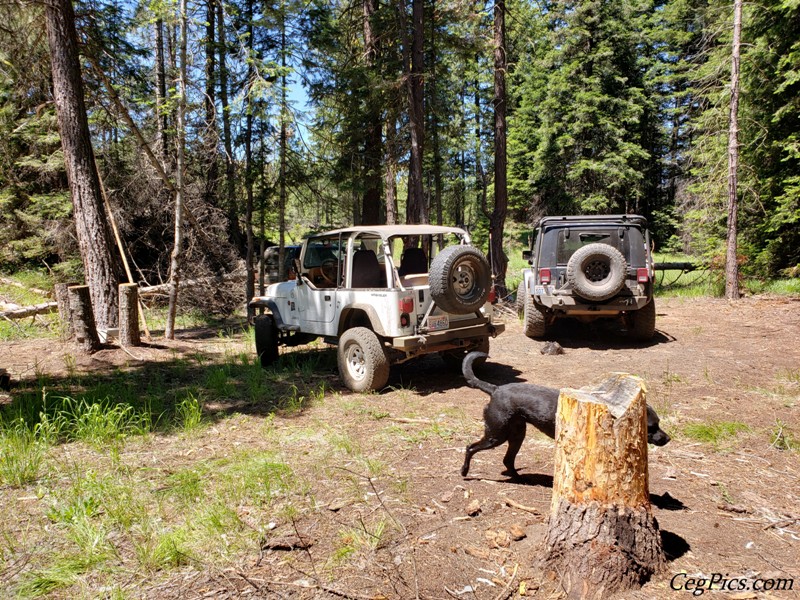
(328, 271)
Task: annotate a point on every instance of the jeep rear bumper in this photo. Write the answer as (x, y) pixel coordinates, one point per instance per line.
(577, 306)
(437, 341)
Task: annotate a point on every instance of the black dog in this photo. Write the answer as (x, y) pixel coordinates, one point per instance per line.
(513, 405)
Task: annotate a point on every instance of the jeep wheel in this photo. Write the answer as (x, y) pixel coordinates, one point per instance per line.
(460, 279)
(363, 364)
(266, 340)
(643, 322)
(522, 291)
(597, 272)
(534, 324)
(453, 358)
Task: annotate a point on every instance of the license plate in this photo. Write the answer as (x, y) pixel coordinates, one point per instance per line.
(438, 322)
(538, 290)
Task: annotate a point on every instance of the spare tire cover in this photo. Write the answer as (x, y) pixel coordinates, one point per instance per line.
(460, 279)
(596, 272)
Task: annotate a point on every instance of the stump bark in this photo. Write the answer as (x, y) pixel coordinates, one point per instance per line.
(62, 299)
(81, 316)
(602, 537)
(129, 315)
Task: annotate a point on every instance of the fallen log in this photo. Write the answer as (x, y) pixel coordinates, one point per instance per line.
(154, 290)
(29, 311)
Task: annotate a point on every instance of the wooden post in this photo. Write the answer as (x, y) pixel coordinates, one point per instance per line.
(129, 314)
(82, 318)
(62, 298)
(602, 537)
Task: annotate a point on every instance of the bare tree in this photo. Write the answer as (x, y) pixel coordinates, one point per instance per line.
(731, 264)
(93, 232)
(498, 218)
(180, 185)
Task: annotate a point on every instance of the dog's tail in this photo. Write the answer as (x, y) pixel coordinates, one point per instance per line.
(473, 381)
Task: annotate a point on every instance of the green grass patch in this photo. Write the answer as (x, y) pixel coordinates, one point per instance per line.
(714, 433)
(22, 452)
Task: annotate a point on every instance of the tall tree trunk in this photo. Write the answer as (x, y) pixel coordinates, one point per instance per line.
(413, 59)
(248, 165)
(731, 264)
(210, 137)
(390, 171)
(497, 222)
(283, 151)
(161, 91)
(180, 184)
(434, 111)
(234, 233)
(371, 203)
(94, 236)
(480, 174)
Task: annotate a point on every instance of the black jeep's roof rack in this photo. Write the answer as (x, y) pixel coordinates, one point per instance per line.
(605, 219)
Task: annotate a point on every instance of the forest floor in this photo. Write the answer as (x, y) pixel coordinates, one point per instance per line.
(376, 507)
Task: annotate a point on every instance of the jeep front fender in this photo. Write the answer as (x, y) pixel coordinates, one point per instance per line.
(271, 306)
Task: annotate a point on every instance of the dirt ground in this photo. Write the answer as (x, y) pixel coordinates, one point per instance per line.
(729, 508)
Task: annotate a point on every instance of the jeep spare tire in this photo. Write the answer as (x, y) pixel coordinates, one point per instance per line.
(460, 279)
(596, 272)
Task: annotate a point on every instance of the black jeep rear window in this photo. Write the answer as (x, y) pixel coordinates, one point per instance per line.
(568, 245)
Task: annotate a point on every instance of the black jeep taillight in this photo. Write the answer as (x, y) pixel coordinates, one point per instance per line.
(642, 275)
(544, 276)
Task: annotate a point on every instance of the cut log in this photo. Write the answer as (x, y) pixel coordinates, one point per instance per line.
(62, 298)
(81, 317)
(602, 537)
(29, 311)
(129, 314)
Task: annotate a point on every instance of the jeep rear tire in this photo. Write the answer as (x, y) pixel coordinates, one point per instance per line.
(460, 279)
(643, 322)
(596, 272)
(266, 334)
(534, 324)
(363, 364)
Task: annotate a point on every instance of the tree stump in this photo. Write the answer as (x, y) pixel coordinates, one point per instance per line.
(81, 316)
(62, 299)
(602, 537)
(129, 314)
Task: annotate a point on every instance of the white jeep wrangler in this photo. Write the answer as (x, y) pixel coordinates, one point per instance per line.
(373, 291)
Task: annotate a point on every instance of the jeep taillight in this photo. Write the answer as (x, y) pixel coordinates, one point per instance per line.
(544, 276)
(642, 275)
(492, 295)
(407, 304)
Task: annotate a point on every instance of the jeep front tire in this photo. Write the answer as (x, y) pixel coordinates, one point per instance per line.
(460, 279)
(363, 364)
(266, 340)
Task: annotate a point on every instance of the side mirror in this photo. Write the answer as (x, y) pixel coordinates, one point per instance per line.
(527, 255)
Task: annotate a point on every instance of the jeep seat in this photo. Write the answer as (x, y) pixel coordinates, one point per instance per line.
(413, 261)
(366, 270)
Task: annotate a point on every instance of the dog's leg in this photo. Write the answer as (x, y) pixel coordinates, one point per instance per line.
(516, 435)
(485, 443)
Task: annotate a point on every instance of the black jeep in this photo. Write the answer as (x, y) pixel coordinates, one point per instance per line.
(589, 267)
